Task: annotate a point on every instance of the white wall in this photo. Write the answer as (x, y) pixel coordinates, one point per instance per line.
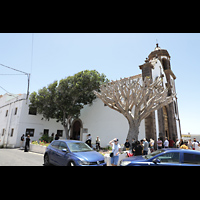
(106, 123)
(22, 121)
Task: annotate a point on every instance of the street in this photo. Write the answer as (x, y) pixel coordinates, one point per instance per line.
(17, 157)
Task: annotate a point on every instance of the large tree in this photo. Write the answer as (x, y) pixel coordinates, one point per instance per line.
(64, 101)
(135, 99)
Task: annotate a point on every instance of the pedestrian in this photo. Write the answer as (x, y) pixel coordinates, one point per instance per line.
(177, 143)
(184, 145)
(159, 143)
(89, 140)
(98, 143)
(151, 145)
(22, 142)
(146, 146)
(171, 143)
(138, 148)
(57, 136)
(27, 144)
(127, 145)
(166, 143)
(195, 144)
(116, 148)
(181, 142)
(133, 145)
(189, 144)
(52, 137)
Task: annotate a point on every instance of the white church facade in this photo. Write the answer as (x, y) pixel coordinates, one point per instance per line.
(96, 119)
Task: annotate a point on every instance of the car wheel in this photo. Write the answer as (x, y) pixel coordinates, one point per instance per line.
(71, 164)
(46, 160)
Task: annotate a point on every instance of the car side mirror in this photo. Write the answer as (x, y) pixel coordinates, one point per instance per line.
(156, 160)
(64, 150)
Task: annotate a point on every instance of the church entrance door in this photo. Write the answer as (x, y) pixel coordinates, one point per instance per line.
(76, 130)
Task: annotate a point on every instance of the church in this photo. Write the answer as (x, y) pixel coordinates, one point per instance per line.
(97, 119)
(100, 120)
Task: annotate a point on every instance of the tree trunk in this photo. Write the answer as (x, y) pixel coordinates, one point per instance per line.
(66, 132)
(133, 131)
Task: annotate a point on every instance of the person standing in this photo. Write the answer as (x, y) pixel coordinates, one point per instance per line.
(159, 143)
(166, 143)
(89, 140)
(27, 144)
(127, 145)
(133, 146)
(22, 142)
(138, 149)
(151, 145)
(116, 148)
(146, 145)
(98, 143)
(171, 143)
(184, 146)
(190, 144)
(195, 144)
(57, 137)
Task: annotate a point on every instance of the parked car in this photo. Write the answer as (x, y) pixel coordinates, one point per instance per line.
(165, 157)
(72, 153)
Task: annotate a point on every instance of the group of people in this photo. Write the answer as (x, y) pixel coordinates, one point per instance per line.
(184, 144)
(143, 147)
(89, 141)
(139, 147)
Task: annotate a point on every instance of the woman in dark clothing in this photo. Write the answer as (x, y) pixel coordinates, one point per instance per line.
(138, 149)
(27, 144)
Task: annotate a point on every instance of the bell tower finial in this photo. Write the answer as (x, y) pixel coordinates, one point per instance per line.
(157, 43)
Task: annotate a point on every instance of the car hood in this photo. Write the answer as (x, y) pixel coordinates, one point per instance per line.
(135, 159)
(90, 156)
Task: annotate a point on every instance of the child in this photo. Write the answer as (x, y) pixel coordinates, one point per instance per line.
(127, 145)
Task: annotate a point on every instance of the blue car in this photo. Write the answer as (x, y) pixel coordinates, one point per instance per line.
(165, 157)
(72, 153)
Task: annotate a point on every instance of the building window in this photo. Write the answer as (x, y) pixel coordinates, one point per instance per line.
(60, 133)
(12, 131)
(30, 132)
(6, 113)
(32, 111)
(46, 132)
(3, 132)
(15, 111)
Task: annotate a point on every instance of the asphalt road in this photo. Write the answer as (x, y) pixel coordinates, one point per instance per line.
(17, 157)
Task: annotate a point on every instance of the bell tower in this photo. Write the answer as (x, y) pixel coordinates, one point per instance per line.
(168, 116)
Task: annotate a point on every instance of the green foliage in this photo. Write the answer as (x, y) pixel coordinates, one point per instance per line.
(46, 138)
(64, 101)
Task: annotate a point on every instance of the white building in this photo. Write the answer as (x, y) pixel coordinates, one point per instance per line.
(15, 120)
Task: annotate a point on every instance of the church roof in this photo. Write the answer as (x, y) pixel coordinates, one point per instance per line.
(158, 52)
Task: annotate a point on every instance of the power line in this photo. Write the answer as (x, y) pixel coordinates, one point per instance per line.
(23, 73)
(13, 74)
(14, 69)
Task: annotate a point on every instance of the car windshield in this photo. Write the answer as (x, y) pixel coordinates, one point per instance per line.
(78, 146)
(153, 154)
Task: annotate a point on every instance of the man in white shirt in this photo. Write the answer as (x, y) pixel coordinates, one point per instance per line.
(195, 145)
(166, 143)
(116, 148)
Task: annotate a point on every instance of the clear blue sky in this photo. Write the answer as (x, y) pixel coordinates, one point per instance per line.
(56, 56)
